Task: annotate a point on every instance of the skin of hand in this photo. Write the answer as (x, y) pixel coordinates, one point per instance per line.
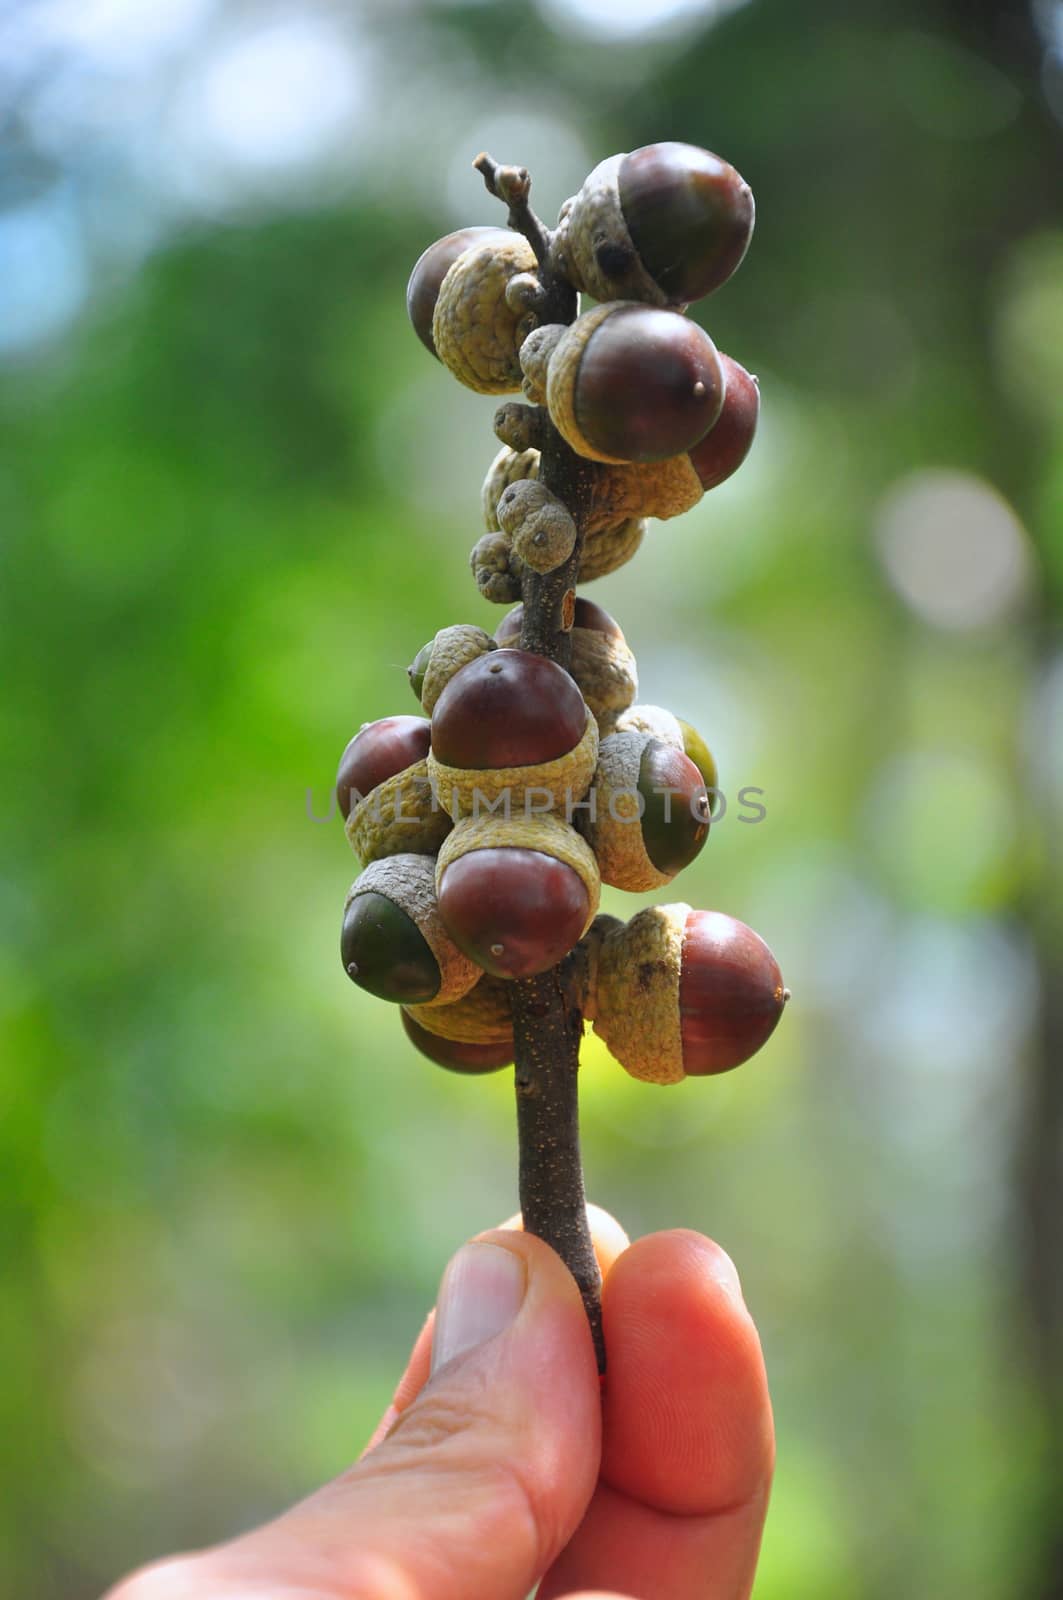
(503, 1461)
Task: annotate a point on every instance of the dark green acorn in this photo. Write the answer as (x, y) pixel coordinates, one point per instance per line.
(675, 823)
(384, 952)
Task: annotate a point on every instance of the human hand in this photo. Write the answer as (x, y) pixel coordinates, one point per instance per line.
(503, 1462)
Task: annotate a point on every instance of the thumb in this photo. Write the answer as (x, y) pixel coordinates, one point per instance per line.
(483, 1479)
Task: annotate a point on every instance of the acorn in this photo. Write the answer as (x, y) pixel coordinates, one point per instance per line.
(511, 730)
(643, 718)
(601, 662)
(516, 894)
(431, 268)
(437, 661)
(475, 328)
(509, 466)
(394, 943)
(455, 1054)
(385, 793)
(728, 441)
(629, 382)
(684, 993)
(483, 1016)
(649, 813)
(666, 224)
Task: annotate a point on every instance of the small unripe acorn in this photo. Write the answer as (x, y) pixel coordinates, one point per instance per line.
(394, 943)
(601, 662)
(475, 330)
(378, 751)
(728, 441)
(650, 816)
(431, 268)
(457, 1055)
(516, 894)
(665, 224)
(629, 383)
(511, 725)
(684, 993)
(541, 528)
(695, 747)
(437, 661)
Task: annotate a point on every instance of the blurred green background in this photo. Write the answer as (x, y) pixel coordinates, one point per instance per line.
(236, 496)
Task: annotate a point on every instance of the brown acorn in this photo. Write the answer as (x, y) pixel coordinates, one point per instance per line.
(650, 814)
(684, 993)
(516, 895)
(729, 440)
(431, 268)
(457, 1055)
(511, 726)
(665, 224)
(385, 792)
(630, 383)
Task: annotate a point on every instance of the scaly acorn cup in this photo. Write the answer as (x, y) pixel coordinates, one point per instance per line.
(454, 1054)
(394, 943)
(516, 894)
(483, 1016)
(609, 547)
(509, 466)
(628, 383)
(684, 993)
(511, 732)
(476, 331)
(431, 268)
(650, 814)
(601, 660)
(436, 662)
(665, 224)
(385, 793)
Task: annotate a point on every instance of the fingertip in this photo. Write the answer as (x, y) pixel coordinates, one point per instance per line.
(687, 1418)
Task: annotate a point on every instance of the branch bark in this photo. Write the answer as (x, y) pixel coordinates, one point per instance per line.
(547, 1018)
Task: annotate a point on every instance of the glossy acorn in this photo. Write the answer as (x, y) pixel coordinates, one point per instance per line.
(431, 268)
(685, 993)
(457, 1055)
(729, 440)
(378, 751)
(477, 326)
(508, 723)
(393, 941)
(385, 793)
(516, 895)
(631, 383)
(650, 817)
(665, 224)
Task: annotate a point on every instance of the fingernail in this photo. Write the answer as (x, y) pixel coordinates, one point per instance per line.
(724, 1271)
(481, 1294)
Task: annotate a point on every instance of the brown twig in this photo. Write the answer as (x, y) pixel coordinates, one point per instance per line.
(547, 1019)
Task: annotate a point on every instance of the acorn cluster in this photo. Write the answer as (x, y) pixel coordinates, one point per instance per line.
(487, 825)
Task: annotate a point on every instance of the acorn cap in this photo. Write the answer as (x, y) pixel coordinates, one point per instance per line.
(652, 720)
(474, 329)
(509, 466)
(639, 968)
(483, 1016)
(594, 237)
(609, 548)
(660, 489)
(409, 883)
(544, 832)
(450, 650)
(589, 952)
(429, 270)
(398, 818)
(604, 666)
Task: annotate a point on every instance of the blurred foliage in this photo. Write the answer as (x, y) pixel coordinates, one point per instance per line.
(235, 497)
